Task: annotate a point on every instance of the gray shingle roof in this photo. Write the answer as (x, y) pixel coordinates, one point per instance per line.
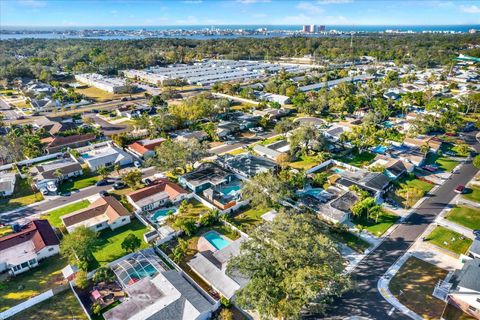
(469, 276)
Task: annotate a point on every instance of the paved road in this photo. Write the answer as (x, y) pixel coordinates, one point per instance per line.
(366, 301)
(242, 142)
(25, 212)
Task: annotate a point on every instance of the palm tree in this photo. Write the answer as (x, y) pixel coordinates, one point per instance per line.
(58, 174)
(103, 171)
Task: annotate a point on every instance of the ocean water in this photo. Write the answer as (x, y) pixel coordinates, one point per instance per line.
(275, 31)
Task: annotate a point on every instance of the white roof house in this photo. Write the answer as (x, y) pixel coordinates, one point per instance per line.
(109, 84)
(105, 156)
(7, 183)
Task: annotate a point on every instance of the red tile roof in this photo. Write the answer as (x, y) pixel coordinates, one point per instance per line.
(142, 148)
(40, 232)
(159, 185)
(76, 138)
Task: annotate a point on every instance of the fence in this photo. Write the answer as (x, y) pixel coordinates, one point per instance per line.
(234, 98)
(30, 161)
(33, 301)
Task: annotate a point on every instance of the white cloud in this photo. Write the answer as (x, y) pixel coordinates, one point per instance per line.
(252, 1)
(470, 9)
(32, 3)
(309, 7)
(334, 1)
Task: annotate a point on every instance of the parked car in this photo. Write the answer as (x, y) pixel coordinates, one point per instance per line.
(476, 233)
(430, 168)
(103, 182)
(137, 164)
(65, 194)
(146, 181)
(460, 189)
(103, 193)
(119, 185)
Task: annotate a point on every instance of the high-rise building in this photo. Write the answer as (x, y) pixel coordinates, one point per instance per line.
(306, 28)
(313, 28)
(321, 28)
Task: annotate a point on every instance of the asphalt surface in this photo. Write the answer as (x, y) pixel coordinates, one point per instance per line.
(108, 129)
(365, 300)
(242, 142)
(43, 206)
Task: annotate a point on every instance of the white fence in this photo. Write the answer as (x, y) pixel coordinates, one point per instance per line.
(234, 98)
(31, 161)
(26, 304)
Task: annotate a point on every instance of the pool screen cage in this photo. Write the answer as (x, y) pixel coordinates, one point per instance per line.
(136, 267)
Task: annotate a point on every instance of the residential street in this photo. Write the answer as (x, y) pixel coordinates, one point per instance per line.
(59, 201)
(366, 301)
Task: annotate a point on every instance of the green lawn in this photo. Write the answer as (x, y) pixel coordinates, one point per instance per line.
(450, 240)
(54, 216)
(406, 182)
(191, 209)
(272, 140)
(465, 216)
(305, 163)
(237, 151)
(250, 218)
(443, 163)
(22, 196)
(351, 240)
(31, 283)
(473, 195)
(413, 286)
(457, 151)
(109, 241)
(358, 159)
(86, 180)
(377, 228)
(61, 306)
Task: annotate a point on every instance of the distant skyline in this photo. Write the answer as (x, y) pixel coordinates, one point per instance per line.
(62, 13)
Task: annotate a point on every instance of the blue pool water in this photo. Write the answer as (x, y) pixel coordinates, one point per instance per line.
(228, 190)
(337, 170)
(380, 149)
(388, 124)
(85, 155)
(161, 214)
(216, 240)
(314, 192)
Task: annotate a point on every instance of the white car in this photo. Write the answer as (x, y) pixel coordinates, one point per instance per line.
(137, 164)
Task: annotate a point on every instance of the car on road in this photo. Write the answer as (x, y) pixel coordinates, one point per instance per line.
(229, 142)
(119, 185)
(137, 164)
(65, 194)
(476, 233)
(146, 181)
(430, 168)
(460, 188)
(103, 193)
(103, 182)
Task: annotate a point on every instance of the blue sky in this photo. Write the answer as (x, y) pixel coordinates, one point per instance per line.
(212, 12)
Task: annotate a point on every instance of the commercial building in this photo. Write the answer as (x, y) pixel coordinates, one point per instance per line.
(109, 84)
(22, 250)
(208, 72)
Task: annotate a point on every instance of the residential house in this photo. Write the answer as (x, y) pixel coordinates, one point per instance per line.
(272, 97)
(22, 250)
(168, 295)
(7, 183)
(272, 113)
(160, 193)
(60, 143)
(226, 128)
(273, 150)
(47, 175)
(394, 168)
(211, 266)
(186, 135)
(105, 155)
(407, 154)
(334, 133)
(474, 250)
(432, 142)
(206, 176)
(246, 165)
(145, 148)
(373, 182)
(465, 288)
(105, 212)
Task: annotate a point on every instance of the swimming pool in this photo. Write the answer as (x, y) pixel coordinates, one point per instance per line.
(388, 124)
(230, 190)
(314, 192)
(380, 149)
(160, 214)
(85, 155)
(216, 240)
(337, 170)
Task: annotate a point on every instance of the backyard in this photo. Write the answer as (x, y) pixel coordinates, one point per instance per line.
(444, 163)
(402, 192)
(472, 194)
(249, 219)
(188, 209)
(377, 228)
(61, 306)
(54, 216)
(109, 242)
(449, 240)
(413, 286)
(465, 216)
(31, 283)
(305, 163)
(358, 159)
(22, 196)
